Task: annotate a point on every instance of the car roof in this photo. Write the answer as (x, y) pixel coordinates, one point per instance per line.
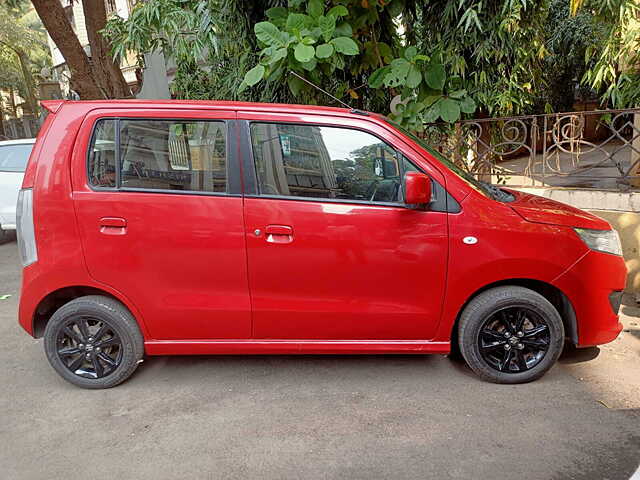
(213, 104)
(19, 141)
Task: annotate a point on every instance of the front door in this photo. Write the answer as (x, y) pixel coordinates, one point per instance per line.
(160, 213)
(333, 252)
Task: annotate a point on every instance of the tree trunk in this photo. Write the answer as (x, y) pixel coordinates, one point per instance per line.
(2, 133)
(54, 19)
(29, 84)
(108, 73)
(12, 102)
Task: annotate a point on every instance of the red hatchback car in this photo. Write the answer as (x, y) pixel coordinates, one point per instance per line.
(183, 227)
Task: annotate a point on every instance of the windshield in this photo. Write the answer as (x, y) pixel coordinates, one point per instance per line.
(13, 158)
(485, 188)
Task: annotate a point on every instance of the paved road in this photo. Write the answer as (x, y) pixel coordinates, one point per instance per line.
(338, 417)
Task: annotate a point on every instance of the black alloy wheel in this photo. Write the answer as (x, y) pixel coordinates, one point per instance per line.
(93, 342)
(89, 347)
(510, 334)
(514, 339)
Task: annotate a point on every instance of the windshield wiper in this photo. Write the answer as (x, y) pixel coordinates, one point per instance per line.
(497, 193)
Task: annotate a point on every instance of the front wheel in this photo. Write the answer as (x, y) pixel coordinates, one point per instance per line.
(510, 335)
(93, 342)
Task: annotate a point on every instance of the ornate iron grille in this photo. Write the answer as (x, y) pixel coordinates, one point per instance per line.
(592, 149)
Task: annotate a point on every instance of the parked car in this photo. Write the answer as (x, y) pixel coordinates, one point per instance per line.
(182, 227)
(13, 160)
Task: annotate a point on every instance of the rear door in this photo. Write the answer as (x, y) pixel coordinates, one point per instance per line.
(333, 251)
(159, 207)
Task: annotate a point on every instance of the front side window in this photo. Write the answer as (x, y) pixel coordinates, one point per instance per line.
(175, 155)
(326, 162)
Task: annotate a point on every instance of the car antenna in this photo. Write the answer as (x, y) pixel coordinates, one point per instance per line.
(344, 104)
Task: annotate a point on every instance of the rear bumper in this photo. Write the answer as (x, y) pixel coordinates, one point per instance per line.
(593, 285)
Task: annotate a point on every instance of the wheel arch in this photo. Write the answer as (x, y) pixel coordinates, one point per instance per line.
(57, 298)
(553, 294)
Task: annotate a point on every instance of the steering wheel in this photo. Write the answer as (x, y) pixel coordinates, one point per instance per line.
(374, 186)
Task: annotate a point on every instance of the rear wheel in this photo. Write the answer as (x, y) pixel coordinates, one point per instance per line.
(510, 335)
(93, 342)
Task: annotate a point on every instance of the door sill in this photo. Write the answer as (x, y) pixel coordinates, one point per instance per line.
(288, 347)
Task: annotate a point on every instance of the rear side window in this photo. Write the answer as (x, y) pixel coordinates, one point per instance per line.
(326, 162)
(173, 155)
(13, 158)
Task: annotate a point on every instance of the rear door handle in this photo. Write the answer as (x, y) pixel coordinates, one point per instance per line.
(279, 234)
(113, 226)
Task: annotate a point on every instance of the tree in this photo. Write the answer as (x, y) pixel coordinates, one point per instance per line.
(616, 63)
(92, 78)
(436, 60)
(21, 41)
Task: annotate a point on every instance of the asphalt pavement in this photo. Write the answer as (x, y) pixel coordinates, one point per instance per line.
(316, 417)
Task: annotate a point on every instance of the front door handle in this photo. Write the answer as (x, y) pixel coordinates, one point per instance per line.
(279, 234)
(113, 226)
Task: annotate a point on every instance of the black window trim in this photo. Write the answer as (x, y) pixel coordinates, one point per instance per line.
(234, 182)
(250, 177)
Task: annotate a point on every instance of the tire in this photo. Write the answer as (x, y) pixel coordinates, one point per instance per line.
(101, 362)
(490, 322)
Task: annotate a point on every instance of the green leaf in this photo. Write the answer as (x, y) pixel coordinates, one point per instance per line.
(277, 15)
(304, 53)
(310, 65)
(345, 46)
(398, 74)
(385, 52)
(324, 51)
(467, 105)
(449, 110)
(278, 55)
(268, 33)
(376, 79)
(343, 30)
(432, 114)
(338, 11)
(410, 53)
(308, 40)
(295, 85)
(327, 26)
(435, 76)
(254, 75)
(414, 77)
(458, 94)
(315, 8)
(297, 21)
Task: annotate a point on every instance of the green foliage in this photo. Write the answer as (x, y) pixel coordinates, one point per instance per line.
(569, 38)
(308, 43)
(614, 69)
(318, 43)
(23, 50)
(449, 60)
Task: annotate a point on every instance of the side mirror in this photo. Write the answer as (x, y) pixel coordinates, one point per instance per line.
(417, 188)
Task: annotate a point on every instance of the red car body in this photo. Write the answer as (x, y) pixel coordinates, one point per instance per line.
(244, 273)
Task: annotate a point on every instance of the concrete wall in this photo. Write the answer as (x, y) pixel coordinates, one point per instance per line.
(621, 210)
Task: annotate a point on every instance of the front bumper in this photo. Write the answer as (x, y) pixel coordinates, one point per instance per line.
(594, 285)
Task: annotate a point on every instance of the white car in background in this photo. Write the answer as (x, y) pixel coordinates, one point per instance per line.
(13, 160)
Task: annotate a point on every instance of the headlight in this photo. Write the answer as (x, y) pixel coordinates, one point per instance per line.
(607, 241)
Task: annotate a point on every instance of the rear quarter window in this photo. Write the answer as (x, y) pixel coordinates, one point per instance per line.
(158, 155)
